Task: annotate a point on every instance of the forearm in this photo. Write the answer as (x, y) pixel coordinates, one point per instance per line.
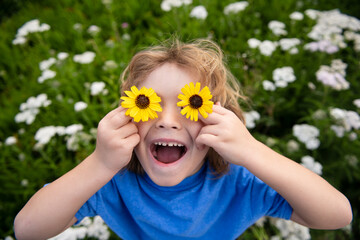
(53, 207)
(315, 202)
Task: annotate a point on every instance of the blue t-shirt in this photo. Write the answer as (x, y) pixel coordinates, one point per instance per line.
(200, 207)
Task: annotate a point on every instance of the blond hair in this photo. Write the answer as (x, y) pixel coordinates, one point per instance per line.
(205, 58)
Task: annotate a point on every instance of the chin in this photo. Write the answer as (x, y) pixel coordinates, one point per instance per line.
(167, 174)
(170, 174)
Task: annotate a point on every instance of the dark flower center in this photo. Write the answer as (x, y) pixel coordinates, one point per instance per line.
(195, 101)
(142, 101)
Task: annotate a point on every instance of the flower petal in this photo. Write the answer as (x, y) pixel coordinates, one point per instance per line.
(144, 115)
(203, 112)
(192, 88)
(207, 108)
(183, 97)
(151, 113)
(197, 88)
(155, 107)
(135, 90)
(134, 111)
(195, 115)
(205, 93)
(186, 90)
(130, 94)
(149, 92)
(189, 114)
(182, 103)
(155, 99)
(137, 118)
(128, 105)
(185, 110)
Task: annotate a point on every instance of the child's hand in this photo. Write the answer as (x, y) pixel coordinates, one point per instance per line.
(116, 138)
(226, 134)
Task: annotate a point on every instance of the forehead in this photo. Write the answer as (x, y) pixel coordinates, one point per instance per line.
(168, 78)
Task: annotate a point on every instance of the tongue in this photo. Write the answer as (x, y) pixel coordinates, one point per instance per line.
(168, 154)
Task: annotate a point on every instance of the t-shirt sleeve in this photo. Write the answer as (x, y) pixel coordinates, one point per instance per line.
(263, 200)
(268, 202)
(280, 207)
(87, 210)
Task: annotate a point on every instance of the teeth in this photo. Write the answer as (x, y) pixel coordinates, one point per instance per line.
(170, 144)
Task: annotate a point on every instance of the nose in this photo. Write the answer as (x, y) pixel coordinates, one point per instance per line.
(169, 118)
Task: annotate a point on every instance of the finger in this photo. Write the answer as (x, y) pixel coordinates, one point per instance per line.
(211, 129)
(220, 109)
(217, 108)
(127, 130)
(107, 118)
(118, 120)
(212, 118)
(133, 139)
(206, 139)
(114, 112)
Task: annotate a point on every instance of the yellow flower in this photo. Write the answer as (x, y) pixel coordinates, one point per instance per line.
(142, 104)
(195, 101)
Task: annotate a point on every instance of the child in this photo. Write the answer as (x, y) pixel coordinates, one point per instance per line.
(181, 179)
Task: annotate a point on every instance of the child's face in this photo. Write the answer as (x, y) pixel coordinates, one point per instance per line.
(168, 129)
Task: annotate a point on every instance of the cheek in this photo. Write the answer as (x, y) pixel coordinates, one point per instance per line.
(195, 128)
(143, 128)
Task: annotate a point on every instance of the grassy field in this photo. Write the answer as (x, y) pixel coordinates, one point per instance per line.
(60, 62)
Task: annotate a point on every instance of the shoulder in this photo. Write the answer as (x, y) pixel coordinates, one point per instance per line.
(237, 178)
(240, 174)
(121, 181)
(244, 180)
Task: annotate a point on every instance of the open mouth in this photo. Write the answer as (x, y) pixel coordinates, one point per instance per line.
(167, 152)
